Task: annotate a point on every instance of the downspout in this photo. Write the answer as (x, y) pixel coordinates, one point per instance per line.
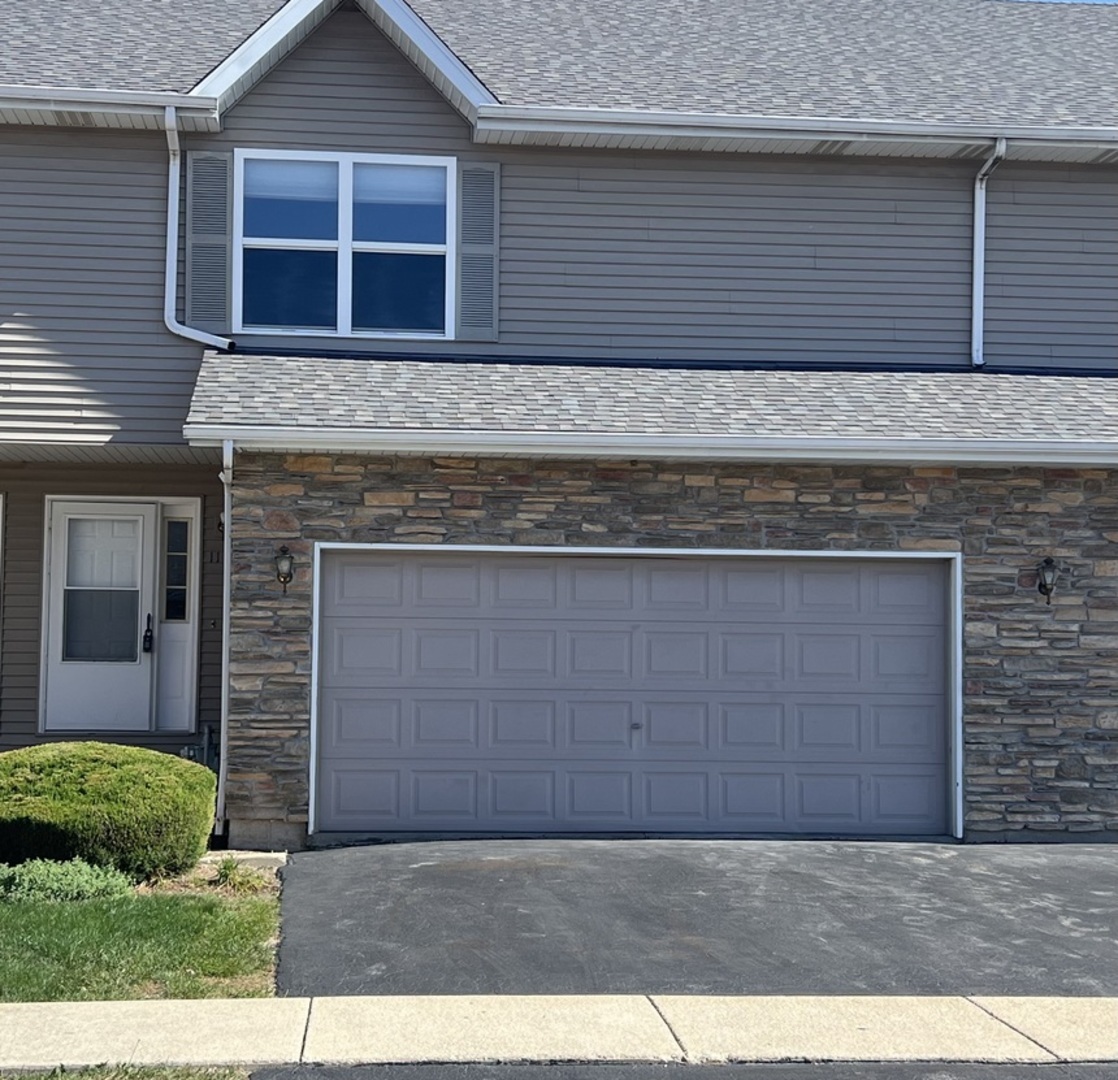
(226, 627)
(978, 255)
(171, 271)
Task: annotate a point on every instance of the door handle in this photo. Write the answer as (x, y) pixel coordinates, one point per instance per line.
(149, 637)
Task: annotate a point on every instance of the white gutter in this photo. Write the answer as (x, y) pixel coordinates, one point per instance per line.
(171, 267)
(709, 447)
(226, 627)
(69, 98)
(542, 118)
(978, 255)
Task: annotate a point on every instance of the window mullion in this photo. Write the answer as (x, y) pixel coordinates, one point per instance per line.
(345, 247)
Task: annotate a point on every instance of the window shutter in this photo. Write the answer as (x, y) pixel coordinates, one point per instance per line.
(479, 198)
(209, 233)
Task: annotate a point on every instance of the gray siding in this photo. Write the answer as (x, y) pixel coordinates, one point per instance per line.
(722, 258)
(639, 255)
(83, 350)
(621, 256)
(25, 489)
(1052, 274)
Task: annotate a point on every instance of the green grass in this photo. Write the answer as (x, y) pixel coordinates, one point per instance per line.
(143, 946)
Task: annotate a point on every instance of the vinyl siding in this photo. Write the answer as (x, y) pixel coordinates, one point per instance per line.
(84, 354)
(1052, 270)
(722, 258)
(25, 489)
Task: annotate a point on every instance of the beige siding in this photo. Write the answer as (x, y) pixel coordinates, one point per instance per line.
(84, 354)
(25, 490)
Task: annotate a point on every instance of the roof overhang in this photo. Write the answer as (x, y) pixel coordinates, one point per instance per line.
(717, 447)
(641, 130)
(135, 110)
(494, 123)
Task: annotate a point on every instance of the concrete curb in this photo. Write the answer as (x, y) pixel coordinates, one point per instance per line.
(573, 1028)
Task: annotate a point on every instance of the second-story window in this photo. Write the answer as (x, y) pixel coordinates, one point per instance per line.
(344, 244)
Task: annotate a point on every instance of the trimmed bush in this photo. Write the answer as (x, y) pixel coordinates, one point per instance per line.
(41, 879)
(140, 811)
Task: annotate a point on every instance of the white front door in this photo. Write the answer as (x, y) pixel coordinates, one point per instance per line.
(102, 592)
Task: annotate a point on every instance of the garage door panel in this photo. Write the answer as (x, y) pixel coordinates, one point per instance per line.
(513, 692)
(496, 725)
(572, 797)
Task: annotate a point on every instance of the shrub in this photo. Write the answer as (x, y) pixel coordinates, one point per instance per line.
(140, 811)
(41, 879)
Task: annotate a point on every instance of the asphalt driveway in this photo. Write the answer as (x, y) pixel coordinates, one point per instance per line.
(700, 917)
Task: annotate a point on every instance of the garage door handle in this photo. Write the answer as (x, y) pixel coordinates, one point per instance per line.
(636, 725)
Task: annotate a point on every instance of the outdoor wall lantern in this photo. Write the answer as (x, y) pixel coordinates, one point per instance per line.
(1046, 575)
(285, 567)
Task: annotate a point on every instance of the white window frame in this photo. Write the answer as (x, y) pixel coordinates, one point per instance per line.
(345, 245)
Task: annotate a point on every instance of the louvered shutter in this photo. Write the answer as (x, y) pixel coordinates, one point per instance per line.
(479, 197)
(209, 240)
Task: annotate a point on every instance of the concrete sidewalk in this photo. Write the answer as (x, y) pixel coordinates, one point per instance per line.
(610, 1028)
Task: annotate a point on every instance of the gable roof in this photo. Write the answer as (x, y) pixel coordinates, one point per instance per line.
(823, 76)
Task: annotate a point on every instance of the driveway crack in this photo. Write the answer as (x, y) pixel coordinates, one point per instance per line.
(667, 1024)
(1023, 1034)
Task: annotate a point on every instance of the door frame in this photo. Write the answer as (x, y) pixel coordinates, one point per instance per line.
(954, 627)
(195, 599)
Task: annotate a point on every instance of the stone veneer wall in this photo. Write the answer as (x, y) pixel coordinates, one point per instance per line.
(1041, 710)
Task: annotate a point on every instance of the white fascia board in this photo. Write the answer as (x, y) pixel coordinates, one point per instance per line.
(706, 447)
(47, 99)
(528, 120)
(405, 26)
(294, 18)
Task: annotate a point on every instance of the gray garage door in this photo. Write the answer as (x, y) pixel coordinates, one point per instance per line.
(524, 693)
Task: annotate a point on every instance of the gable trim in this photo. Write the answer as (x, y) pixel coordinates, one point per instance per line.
(297, 19)
(428, 52)
(262, 50)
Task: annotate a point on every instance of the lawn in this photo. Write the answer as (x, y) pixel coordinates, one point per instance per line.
(190, 939)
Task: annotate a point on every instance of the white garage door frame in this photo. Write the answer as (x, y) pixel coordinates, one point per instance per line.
(954, 561)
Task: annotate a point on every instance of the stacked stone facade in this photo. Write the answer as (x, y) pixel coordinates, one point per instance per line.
(1040, 681)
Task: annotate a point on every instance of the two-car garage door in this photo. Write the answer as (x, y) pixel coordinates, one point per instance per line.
(506, 693)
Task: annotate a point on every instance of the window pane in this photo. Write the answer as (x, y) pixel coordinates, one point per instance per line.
(291, 199)
(176, 569)
(404, 204)
(103, 553)
(100, 624)
(174, 608)
(177, 534)
(298, 289)
(399, 292)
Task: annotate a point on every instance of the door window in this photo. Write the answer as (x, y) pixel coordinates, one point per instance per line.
(101, 606)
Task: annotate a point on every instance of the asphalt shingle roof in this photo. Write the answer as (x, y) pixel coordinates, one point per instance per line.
(152, 45)
(989, 61)
(980, 61)
(334, 394)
